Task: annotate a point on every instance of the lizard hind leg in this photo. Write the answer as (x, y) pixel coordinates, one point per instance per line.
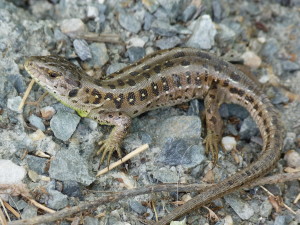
(214, 123)
(121, 123)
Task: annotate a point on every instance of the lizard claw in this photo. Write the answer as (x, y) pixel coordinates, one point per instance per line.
(108, 147)
(212, 146)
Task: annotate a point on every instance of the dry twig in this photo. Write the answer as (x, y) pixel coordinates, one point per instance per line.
(145, 190)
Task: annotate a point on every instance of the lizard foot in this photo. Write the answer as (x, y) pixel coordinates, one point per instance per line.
(108, 147)
(211, 145)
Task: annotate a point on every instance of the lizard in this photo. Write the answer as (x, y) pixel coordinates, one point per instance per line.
(166, 78)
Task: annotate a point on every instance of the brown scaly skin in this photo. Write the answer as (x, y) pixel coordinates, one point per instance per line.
(166, 78)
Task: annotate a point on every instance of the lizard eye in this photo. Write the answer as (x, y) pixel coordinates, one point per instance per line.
(54, 74)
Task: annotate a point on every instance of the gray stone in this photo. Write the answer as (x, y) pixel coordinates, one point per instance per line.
(204, 32)
(129, 22)
(91, 221)
(290, 66)
(280, 220)
(188, 13)
(148, 19)
(37, 122)
(177, 152)
(165, 175)
(82, 49)
(37, 164)
(217, 10)
(135, 53)
(99, 55)
(172, 7)
(270, 48)
(195, 107)
(56, 200)
(166, 43)
(114, 68)
(226, 33)
(242, 208)
(265, 209)
(137, 207)
(163, 28)
(63, 124)
(29, 211)
(69, 164)
(13, 103)
(18, 83)
(187, 128)
(71, 188)
(280, 98)
(248, 129)
(151, 5)
(237, 111)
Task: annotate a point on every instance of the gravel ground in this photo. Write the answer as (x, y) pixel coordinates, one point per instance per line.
(50, 148)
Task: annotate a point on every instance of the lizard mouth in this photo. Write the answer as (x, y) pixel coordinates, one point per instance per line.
(32, 69)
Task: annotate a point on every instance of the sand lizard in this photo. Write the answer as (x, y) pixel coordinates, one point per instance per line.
(166, 78)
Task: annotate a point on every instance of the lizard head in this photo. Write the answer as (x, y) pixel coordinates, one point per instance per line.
(56, 74)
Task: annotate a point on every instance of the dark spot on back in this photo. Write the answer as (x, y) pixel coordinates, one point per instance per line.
(73, 93)
(203, 55)
(155, 90)
(146, 75)
(165, 84)
(188, 77)
(249, 98)
(143, 94)
(131, 82)
(185, 63)
(87, 90)
(157, 69)
(234, 76)
(176, 79)
(241, 92)
(225, 83)
(146, 67)
(179, 54)
(134, 73)
(169, 64)
(112, 86)
(109, 96)
(120, 82)
(131, 98)
(119, 100)
(233, 90)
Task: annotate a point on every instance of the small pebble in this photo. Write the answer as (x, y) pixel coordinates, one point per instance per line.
(92, 12)
(166, 43)
(47, 112)
(37, 122)
(63, 124)
(135, 53)
(292, 158)
(13, 103)
(82, 49)
(73, 26)
(251, 59)
(14, 174)
(204, 32)
(129, 22)
(37, 135)
(229, 143)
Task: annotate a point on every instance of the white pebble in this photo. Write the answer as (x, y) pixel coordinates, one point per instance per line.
(229, 143)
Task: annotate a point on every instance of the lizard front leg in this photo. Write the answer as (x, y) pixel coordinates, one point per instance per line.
(121, 123)
(214, 123)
